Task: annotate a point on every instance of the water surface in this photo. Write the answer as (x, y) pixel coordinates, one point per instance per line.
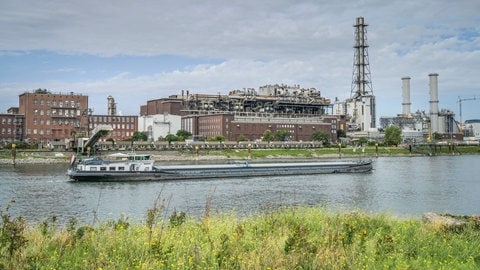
(403, 186)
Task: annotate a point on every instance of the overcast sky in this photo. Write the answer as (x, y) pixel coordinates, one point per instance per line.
(149, 49)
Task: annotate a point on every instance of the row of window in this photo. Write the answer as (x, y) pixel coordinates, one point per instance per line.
(110, 119)
(59, 112)
(54, 103)
(9, 121)
(48, 131)
(116, 126)
(56, 122)
(120, 134)
(11, 131)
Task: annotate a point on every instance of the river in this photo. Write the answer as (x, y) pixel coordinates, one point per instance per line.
(401, 186)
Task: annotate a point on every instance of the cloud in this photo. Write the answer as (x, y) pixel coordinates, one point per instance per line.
(253, 43)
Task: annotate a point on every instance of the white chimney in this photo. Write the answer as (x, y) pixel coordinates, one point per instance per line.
(433, 102)
(406, 95)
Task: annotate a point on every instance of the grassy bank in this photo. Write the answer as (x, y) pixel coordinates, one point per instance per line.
(370, 151)
(328, 152)
(288, 238)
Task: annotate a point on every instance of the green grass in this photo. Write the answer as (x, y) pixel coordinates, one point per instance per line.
(287, 238)
(369, 151)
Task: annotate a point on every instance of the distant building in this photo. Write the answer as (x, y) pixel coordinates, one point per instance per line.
(471, 129)
(51, 118)
(159, 125)
(11, 127)
(252, 126)
(243, 114)
(123, 126)
(172, 105)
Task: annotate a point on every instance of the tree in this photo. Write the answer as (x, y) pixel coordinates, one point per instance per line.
(362, 141)
(219, 138)
(242, 138)
(184, 134)
(282, 135)
(321, 137)
(393, 135)
(139, 136)
(267, 136)
(171, 138)
(341, 133)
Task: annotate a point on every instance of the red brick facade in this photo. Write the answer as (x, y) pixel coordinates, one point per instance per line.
(51, 117)
(11, 127)
(123, 126)
(252, 127)
(164, 105)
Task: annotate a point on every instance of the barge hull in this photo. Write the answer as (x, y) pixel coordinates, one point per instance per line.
(183, 172)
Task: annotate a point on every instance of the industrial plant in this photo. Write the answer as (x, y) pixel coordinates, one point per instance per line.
(52, 119)
(421, 126)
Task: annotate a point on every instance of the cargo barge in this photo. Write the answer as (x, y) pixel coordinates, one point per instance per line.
(141, 168)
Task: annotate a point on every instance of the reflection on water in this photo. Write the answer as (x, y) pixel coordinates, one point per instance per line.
(400, 185)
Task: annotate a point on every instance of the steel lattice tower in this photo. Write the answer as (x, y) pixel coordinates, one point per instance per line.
(361, 80)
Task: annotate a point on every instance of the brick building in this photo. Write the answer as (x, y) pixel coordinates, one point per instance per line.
(11, 127)
(252, 126)
(52, 117)
(172, 105)
(123, 126)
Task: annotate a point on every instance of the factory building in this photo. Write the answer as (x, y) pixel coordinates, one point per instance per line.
(124, 126)
(51, 118)
(158, 126)
(11, 126)
(360, 108)
(252, 126)
(245, 113)
(471, 129)
(421, 126)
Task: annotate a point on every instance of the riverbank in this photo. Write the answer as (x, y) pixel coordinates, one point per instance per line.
(48, 157)
(286, 238)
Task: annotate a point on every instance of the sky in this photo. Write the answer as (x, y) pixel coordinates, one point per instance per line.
(140, 50)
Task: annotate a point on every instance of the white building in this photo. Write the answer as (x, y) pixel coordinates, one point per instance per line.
(471, 129)
(159, 125)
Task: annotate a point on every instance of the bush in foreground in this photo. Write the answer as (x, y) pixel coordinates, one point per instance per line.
(287, 238)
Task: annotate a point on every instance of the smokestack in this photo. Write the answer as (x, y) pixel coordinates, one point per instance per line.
(112, 106)
(433, 101)
(406, 95)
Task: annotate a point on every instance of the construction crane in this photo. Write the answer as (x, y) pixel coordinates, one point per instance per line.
(460, 100)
